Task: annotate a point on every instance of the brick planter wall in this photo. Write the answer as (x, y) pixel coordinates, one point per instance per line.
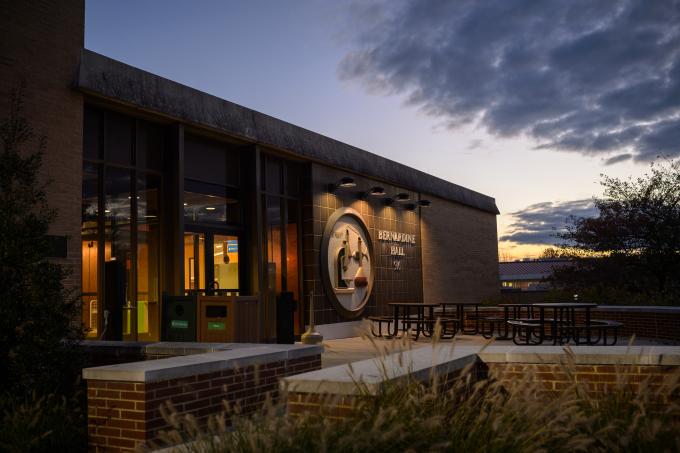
(597, 380)
(124, 401)
(343, 406)
(601, 369)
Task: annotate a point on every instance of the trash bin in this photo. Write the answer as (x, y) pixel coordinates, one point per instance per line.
(179, 318)
(285, 318)
(215, 319)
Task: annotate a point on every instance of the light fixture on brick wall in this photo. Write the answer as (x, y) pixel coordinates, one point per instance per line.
(345, 182)
(403, 197)
(424, 203)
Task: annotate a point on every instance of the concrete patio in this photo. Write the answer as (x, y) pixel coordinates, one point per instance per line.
(354, 349)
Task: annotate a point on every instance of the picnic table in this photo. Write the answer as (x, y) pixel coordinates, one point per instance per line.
(460, 315)
(502, 322)
(563, 324)
(407, 320)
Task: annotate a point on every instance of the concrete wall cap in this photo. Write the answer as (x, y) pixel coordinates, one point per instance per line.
(189, 365)
(371, 373)
(582, 355)
(638, 309)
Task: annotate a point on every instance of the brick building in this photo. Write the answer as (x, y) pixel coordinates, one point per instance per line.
(163, 190)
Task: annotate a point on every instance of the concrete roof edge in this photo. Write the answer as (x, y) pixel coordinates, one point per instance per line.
(102, 76)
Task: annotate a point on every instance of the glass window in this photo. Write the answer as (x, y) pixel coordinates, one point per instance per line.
(210, 209)
(121, 272)
(149, 145)
(194, 259)
(118, 252)
(225, 251)
(292, 277)
(210, 204)
(272, 208)
(148, 247)
(294, 176)
(89, 238)
(92, 130)
(119, 138)
(273, 180)
(210, 161)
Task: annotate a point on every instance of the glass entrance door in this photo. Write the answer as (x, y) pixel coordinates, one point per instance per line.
(211, 263)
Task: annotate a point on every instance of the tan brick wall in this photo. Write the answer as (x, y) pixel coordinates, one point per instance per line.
(389, 285)
(459, 253)
(40, 46)
(123, 415)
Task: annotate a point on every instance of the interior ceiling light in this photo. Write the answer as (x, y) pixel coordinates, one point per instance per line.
(425, 203)
(210, 208)
(403, 197)
(378, 191)
(347, 182)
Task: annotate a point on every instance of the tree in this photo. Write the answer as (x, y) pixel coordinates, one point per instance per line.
(37, 329)
(633, 245)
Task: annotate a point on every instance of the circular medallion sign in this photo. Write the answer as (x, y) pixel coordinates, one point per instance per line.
(347, 264)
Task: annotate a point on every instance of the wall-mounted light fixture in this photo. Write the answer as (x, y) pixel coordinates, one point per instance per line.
(424, 203)
(403, 197)
(346, 183)
(410, 207)
(388, 201)
(377, 191)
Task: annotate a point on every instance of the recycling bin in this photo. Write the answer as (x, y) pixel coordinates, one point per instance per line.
(179, 318)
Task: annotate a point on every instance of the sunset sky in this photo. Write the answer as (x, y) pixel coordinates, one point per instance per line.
(528, 102)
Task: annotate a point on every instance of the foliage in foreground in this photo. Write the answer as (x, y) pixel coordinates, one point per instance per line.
(471, 416)
(36, 326)
(42, 424)
(39, 407)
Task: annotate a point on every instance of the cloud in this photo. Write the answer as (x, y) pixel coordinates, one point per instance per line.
(594, 77)
(616, 159)
(541, 222)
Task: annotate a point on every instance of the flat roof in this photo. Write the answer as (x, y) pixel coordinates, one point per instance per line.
(111, 79)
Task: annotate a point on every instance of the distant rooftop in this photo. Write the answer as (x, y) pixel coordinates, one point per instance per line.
(530, 270)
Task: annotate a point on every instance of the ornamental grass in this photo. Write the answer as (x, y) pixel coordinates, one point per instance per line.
(466, 415)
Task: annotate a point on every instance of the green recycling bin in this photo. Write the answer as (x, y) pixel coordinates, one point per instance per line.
(179, 318)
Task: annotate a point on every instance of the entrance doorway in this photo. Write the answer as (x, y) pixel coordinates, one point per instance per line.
(211, 262)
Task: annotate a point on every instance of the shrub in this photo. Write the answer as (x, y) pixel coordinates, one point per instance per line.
(37, 331)
(40, 407)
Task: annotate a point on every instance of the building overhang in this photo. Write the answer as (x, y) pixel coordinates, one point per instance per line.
(104, 77)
